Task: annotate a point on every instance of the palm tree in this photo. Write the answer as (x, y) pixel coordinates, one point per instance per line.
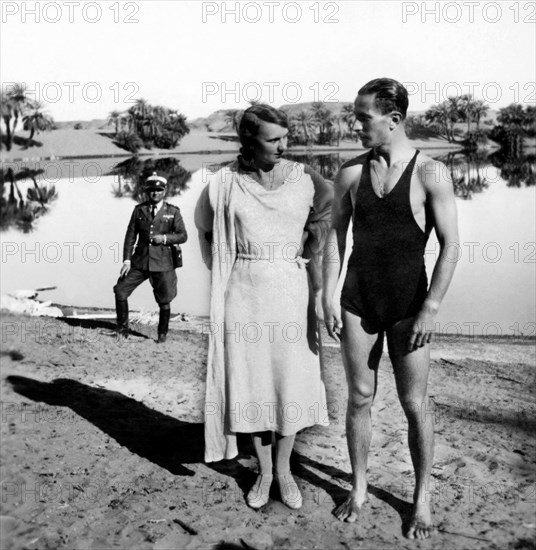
(436, 116)
(302, 125)
(465, 109)
(529, 122)
(14, 103)
(114, 118)
(348, 116)
(6, 112)
(36, 121)
(141, 108)
(444, 115)
(455, 112)
(324, 121)
(19, 100)
(479, 111)
(512, 116)
(233, 118)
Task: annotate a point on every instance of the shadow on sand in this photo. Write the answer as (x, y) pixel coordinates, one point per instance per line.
(171, 443)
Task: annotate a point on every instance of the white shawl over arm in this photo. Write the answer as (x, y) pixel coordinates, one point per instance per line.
(215, 214)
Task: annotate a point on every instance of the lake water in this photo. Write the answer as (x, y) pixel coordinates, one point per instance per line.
(76, 242)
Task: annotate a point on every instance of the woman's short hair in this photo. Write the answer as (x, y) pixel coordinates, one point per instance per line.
(389, 95)
(251, 122)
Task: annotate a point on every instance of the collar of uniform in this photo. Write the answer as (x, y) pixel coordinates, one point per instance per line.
(159, 207)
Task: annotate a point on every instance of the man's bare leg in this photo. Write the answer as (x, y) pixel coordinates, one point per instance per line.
(411, 374)
(361, 353)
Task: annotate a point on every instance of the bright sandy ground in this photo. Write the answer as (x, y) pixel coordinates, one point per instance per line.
(102, 448)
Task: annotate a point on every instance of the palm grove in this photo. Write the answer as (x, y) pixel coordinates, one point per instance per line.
(461, 119)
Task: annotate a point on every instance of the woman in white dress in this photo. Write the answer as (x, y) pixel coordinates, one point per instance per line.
(263, 377)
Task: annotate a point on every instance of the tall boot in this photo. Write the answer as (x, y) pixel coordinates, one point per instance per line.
(163, 324)
(121, 308)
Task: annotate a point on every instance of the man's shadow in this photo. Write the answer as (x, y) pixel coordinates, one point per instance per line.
(171, 443)
(107, 327)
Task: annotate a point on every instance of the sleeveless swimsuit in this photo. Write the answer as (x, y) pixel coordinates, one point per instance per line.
(386, 279)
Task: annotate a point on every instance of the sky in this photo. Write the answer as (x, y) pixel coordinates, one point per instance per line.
(85, 59)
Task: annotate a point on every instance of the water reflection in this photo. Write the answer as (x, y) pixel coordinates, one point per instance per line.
(18, 211)
(515, 169)
(132, 173)
(466, 170)
(326, 165)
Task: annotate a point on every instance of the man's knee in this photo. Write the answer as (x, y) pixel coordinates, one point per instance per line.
(413, 406)
(361, 395)
(121, 293)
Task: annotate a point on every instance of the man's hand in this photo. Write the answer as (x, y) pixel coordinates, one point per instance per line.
(332, 319)
(158, 239)
(125, 268)
(423, 326)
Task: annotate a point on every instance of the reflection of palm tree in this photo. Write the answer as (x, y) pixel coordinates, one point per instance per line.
(327, 165)
(516, 169)
(466, 173)
(19, 212)
(133, 172)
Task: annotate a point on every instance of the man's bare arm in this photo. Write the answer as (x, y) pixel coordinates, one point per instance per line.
(335, 249)
(441, 200)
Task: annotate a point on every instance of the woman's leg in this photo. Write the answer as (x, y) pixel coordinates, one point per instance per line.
(283, 450)
(262, 443)
(259, 494)
(290, 492)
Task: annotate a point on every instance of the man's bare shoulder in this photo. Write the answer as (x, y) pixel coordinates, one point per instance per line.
(433, 174)
(350, 172)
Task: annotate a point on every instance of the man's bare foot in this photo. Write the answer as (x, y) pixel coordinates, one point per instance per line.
(350, 509)
(420, 524)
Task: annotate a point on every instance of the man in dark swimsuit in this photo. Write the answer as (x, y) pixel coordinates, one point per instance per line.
(394, 195)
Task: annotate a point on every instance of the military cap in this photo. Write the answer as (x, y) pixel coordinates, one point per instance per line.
(157, 180)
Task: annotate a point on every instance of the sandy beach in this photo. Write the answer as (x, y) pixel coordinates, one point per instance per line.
(102, 447)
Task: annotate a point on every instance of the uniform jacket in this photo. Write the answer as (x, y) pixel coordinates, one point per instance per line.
(138, 247)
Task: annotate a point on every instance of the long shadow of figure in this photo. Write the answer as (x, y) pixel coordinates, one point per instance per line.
(165, 441)
(301, 467)
(92, 324)
(171, 443)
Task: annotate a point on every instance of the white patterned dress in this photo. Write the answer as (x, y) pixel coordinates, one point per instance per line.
(270, 377)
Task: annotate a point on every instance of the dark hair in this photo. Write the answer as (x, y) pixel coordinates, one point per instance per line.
(251, 122)
(389, 95)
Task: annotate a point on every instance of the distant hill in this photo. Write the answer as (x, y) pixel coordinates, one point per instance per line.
(95, 124)
(217, 122)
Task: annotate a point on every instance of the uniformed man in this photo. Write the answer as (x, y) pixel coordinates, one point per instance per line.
(154, 227)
